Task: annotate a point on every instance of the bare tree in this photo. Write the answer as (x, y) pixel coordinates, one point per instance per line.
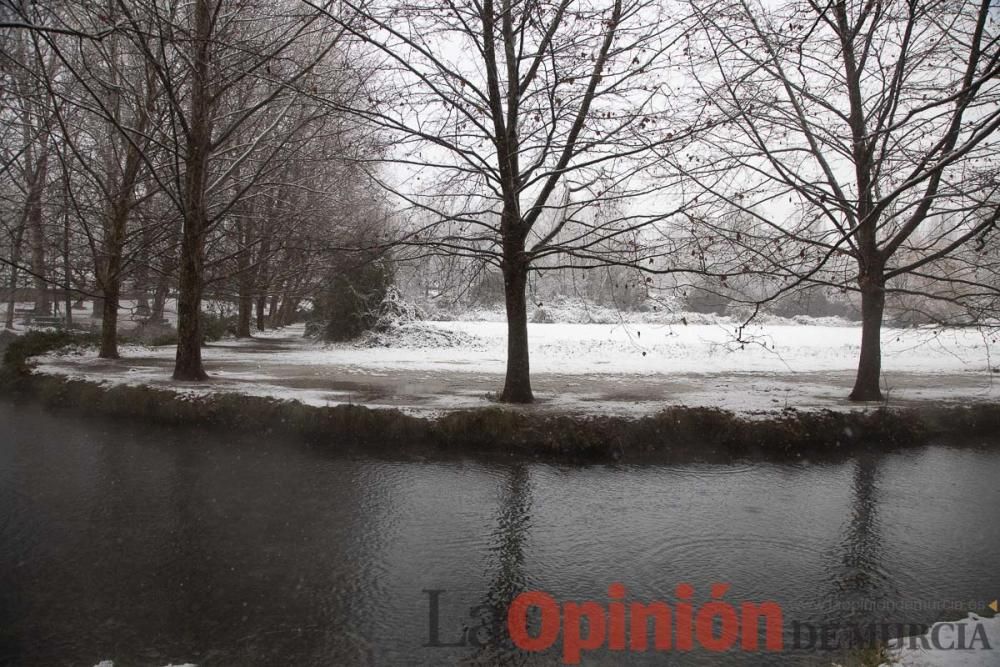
(31, 114)
(220, 65)
(279, 235)
(522, 130)
(111, 109)
(866, 134)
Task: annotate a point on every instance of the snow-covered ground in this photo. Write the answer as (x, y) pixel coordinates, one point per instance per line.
(587, 368)
(908, 653)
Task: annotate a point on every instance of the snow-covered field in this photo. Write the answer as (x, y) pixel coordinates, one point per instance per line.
(636, 349)
(589, 368)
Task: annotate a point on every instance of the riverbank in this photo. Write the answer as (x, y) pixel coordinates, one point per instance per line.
(631, 370)
(411, 393)
(673, 434)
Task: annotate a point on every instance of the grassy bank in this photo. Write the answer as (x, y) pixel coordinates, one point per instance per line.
(676, 433)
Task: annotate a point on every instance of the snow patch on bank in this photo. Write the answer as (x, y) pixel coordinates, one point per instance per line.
(908, 652)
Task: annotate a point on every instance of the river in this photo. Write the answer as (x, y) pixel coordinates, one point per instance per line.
(148, 545)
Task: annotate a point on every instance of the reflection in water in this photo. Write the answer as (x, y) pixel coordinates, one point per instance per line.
(507, 551)
(186, 573)
(859, 580)
(149, 546)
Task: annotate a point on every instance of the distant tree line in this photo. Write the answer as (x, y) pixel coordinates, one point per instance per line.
(177, 149)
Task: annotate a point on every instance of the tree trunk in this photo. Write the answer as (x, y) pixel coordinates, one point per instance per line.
(42, 301)
(866, 386)
(244, 282)
(261, 316)
(68, 300)
(109, 322)
(245, 311)
(188, 365)
(67, 263)
(286, 313)
(243, 213)
(261, 275)
(280, 317)
(11, 301)
(142, 274)
(278, 320)
(36, 234)
(260, 282)
(163, 281)
(272, 308)
(15, 259)
(517, 386)
(160, 298)
(111, 276)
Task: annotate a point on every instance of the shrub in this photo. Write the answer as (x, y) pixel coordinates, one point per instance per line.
(812, 303)
(350, 303)
(6, 338)
(35, 343)
(487, 289)
(215, 327)
(701, 300)
(169, 338)
(151, 333)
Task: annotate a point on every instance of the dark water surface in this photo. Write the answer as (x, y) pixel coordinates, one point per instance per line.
(147, 545)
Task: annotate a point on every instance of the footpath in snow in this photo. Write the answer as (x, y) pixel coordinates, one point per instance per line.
(429, 367)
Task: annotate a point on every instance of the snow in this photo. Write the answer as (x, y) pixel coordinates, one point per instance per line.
(668, 349)
(584, 368)
(417, 335)
(904, 653)
(578, 311)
